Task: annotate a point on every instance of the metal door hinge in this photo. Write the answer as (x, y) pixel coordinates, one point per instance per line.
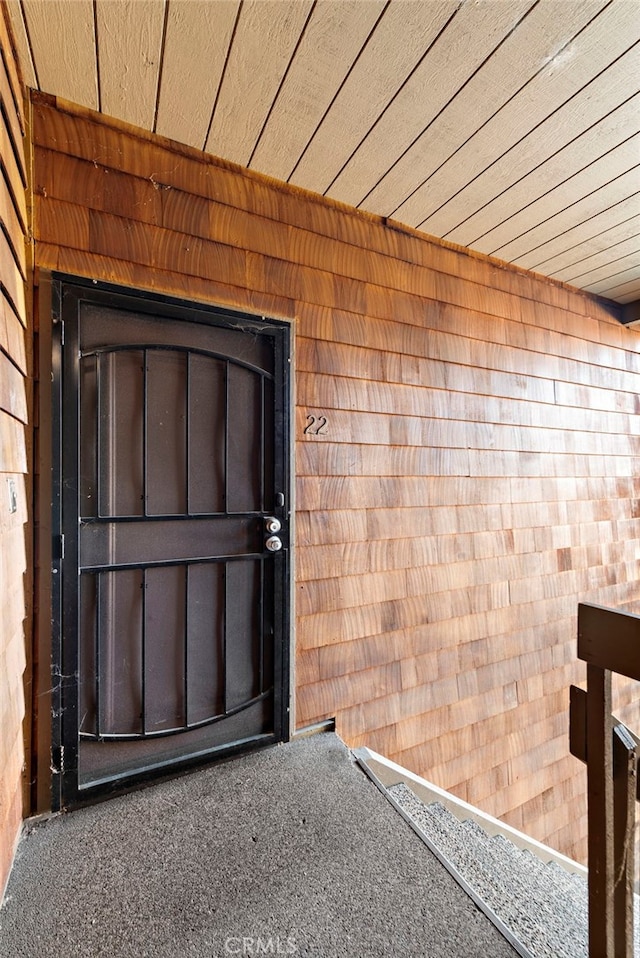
(57, 759)
(58, 548)
(56, 304)
(57, 321)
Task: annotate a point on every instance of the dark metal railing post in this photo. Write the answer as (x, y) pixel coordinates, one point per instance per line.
(600, 803)
(608, 641)
(624, 827)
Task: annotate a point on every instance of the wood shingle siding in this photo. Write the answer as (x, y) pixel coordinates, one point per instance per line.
(15, 553)
(476, 476)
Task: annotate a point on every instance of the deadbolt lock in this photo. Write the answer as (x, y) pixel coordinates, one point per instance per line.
(273, 544)
(272, 524)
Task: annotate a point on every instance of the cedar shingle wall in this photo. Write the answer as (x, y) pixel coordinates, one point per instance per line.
(475, 478)
(14, 580)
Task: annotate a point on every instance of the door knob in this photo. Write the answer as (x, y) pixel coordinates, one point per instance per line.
(273, 544)
(271, 524)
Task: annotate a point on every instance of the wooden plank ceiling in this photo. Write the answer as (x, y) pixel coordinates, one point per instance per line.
(511, 127)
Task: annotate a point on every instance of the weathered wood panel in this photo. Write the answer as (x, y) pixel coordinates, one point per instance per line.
(194, 55)
(13, 454)
(267, 39)
(333, 38)
(453, 84)
(15, 602)
(539, 122)
(13, 174)
(72, 25)
(129, 53)
(540, 186)
(472, 472)
(573, 262)
(120, 150)
(614, 192)
(8, 45)
(380, 70)
(436, 114)
(21, 45)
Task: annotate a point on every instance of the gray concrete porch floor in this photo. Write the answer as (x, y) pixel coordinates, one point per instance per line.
(287, 850)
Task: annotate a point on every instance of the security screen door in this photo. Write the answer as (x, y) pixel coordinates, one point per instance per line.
(173, 498)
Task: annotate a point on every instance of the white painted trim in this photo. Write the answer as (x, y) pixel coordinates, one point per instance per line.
(388, 773)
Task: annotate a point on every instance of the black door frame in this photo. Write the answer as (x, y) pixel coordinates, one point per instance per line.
(66, 294)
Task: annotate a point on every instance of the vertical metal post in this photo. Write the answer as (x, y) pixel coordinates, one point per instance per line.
(624, 814)
(185, 686)
(187, 438)
(98, 652)
(99, 386)
(600, 799)
(145, 433)
(261, 504)
(226, 438)
(143, 657)
(225, 634)
(261, 682)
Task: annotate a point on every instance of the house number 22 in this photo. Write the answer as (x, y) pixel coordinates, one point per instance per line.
(316, 426)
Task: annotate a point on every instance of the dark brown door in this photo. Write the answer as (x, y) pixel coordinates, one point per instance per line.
(173, 471)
